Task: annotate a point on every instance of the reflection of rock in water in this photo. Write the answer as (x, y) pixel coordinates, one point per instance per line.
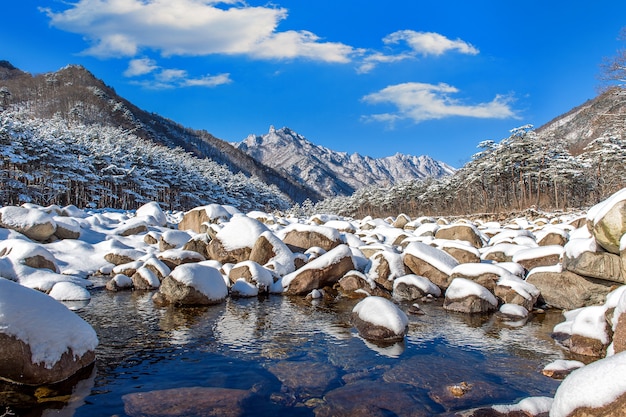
(304, 379)
(194, 401)
(373, 398)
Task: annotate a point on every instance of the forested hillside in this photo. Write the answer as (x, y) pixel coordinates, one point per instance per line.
(522, 171)
(56, 161)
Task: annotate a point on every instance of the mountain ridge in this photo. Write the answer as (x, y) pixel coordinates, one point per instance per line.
(334, 173)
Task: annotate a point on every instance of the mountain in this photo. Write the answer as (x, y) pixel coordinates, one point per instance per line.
(334, 173)
(604, 115)
(75, 94)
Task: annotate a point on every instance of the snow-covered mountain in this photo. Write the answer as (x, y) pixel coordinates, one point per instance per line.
(334, 173)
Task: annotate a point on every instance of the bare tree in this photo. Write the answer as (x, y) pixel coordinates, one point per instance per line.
(613, 69)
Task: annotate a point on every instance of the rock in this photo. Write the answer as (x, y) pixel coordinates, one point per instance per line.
(501, 252)
(304, 379)
(28, 253)
(323, 271)
(461, 231)
(463, 253)
(254, 274)
(151, 238)
(300, 237)
(379, 319)
(128, 269)
(386, 266)
(41, 341)
(513, 290)
(466, 296)
(607, 221)
(401, 221)
(192, 284)
(619, 325)
(198, 244)
(145, 279)
(373, 399)
(272, 252)
(355, 284)
(568, 291)
(234, 242)
(67, 228)
(134, 226)
(432, 263)
(484, 274)
(192, 401)
(595, 390)
(123, 256)
(542, 256)
(601, 265)
(551, 236)
(152, 211)
(119, 282)
(175, 257)
(173, 239)
(159, 268)
(196, 219)
(32, 223)
(560, 368)
(412, 287)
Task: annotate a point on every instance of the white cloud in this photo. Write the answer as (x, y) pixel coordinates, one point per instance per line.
(418, 102)
(190, 27)
(430, 43)
(140, 66)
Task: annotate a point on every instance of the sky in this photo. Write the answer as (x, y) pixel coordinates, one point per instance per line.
(374, 77)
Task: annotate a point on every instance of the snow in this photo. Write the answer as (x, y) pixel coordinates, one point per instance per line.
(46, 325)
(436, 257)
(329, 258)
(591, 322)
(176, 238)
(203, 278)
(153, 210)
(243, 288)
(577, 246)
(241, 232)
(462, 287)
(597, 212)
(513, 310)
(423, 283)
(563, 365)
(122, 281)
(531, 405)
(68, 291)
(382, 312)
(24, 218)
(594, 385)
(149, 276)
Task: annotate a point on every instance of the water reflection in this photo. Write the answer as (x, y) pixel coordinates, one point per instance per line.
(251, 343)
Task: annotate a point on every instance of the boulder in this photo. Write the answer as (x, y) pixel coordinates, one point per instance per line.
(119, 282)
(386, 266)
(120, 256)
(461, 231)
(254, 274)
(67, 228)
(601, 265)
(145, 279)
(323, 271)
(175, 257)
(460, 251)
(173, 239)
(28, 253)
(484, 274)
(466, 296)
(427, 261)
(189, 401)
(41, 341)
(567, 290)
(531, 258)
(234, 242)
(32, 223)
(355, 284)
(300, 237)
(272, 252)
(607, 221)
(513, 290)
(551, 236)
(198, 243)
(197, 219)
(501, 252)
(134, 226)
(412, 287)
(401, 221)
(595, 390)
(192, 284)
(379, 319)
(619, 325)
(152, 211)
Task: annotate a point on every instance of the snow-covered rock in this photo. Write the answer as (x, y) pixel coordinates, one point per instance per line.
(68, 291)
(234, 242)
(430, 262)
(252, 273)
(301, 237)
(385, 267)
(197, 219)
(192, 284)
(461, 231)
(607, 221)
(377, 318)
(466, 296)
(560, 368)
(412, 287)
(566, 290)
(41, 341)
(31, 222)
(152, 213)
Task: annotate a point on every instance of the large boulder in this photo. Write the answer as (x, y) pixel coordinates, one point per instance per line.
(461, 231)
(595, 390)
(272, 252)
(412, 287)
(152, 213)
(607, 221)
(197, 219)
(31, 222)
(301, 237)
(567, 290)
(485, 274)
(355, 284)
(601, 265)
(234, 242)
(320, 272)
(466, 296)
(28, 253)
(531, 258)
(41, 341)
(385, 266)
(619, 325)
(427, 261)
(514, 290)
(192, 284)
(254, 274)
(379, 319)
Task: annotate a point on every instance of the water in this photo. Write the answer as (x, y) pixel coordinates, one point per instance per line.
(286, 356)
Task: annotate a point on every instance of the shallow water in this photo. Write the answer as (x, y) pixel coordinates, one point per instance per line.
(298, 359)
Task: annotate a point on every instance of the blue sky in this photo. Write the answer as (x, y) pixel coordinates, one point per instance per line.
(373, 77)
